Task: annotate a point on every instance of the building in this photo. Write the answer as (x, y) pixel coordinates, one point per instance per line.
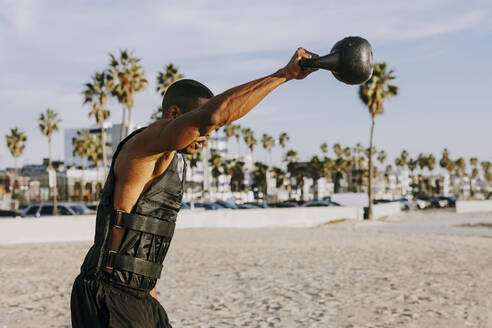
(113, 133)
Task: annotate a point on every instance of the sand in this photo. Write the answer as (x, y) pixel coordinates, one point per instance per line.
(412, 270)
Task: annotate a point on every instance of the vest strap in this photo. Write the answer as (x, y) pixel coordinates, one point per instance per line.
(148, 224)
(135, 265)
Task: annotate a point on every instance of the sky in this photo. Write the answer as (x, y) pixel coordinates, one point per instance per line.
(440, 51)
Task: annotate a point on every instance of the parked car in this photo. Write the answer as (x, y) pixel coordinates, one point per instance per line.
(450, 201)
(404, 203)
(319, 203)
(212, 206)
(260, 205)
(422, 203)
(286, 204)
(225, 204)
(247, 206)
(9, 213)
(47, 209)
(185, 206)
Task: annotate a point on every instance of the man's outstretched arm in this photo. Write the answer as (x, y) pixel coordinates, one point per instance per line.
(226, 107)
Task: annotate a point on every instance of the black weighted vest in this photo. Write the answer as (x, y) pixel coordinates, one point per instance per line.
(148, 230)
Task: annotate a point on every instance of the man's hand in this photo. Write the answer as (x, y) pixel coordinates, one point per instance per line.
(293, 69)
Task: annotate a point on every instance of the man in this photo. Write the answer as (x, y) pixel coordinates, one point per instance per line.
(142, 196)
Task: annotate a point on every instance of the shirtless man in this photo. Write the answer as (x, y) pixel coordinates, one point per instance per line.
(142, 196)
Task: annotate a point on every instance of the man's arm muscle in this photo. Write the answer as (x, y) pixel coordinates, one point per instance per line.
(225, 108)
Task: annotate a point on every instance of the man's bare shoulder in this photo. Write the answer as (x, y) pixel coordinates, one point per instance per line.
(138, 153)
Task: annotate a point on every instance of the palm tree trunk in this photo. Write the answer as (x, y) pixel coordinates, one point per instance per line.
(123, 125)
(369, 191)
(128, 127)
(49, 152)
(105, 155)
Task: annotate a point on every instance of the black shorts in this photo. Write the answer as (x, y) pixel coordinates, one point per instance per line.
(96, 303)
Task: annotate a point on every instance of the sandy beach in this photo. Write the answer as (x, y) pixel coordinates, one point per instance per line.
(430, 269)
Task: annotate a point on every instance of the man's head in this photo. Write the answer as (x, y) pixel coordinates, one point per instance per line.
(184, 96)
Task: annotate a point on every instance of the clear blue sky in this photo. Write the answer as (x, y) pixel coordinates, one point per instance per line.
(440, 50)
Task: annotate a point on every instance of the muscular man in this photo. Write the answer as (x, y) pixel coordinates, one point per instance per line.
(142, 196)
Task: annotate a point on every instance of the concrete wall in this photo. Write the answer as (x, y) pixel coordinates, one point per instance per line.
(469, 206)
(382, 210)
(81, 228)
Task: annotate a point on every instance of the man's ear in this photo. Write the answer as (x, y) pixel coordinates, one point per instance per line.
(173, 112)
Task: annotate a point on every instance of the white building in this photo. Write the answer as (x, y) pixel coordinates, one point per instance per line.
(113, 133)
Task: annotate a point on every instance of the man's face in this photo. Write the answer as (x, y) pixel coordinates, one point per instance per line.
(200, 141)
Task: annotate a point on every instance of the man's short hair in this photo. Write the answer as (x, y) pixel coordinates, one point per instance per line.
(184, 94)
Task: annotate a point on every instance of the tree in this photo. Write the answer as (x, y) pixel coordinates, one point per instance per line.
(215, 162)
(298, 171)
(381, 157)
(373, 93)
(95, 154)
(193, 160)
(233, 130)
(279, 176)
(237, 175)
(431, 165)
(126, 78)
(95, 94)
(315, 172)
(249, 138)
(170, 75)
(268, 142)
(48, 123)
(487, 170)
(259, 177)
(283, 138)
(290, 157)
(324, 148)
(82, 146)
(16, 142)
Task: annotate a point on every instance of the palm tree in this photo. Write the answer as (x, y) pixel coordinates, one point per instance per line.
(215, 162)
(337, 149)
(16, 142)
(431, 165)
(283, 138)
(48, 123)
(232, 130)
(373, 93)
(290, 157)
(237, 176)
(315, 170)
(126, 78)
(164, 80)
(279, 175)
(324, 148)
(95, 93)
(82, 147)
(268, 142)
(381, 157)
(95, 154)
(249, 138)
(487, 170)
(259, 177)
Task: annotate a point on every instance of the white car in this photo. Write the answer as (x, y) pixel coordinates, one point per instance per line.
(47, 209)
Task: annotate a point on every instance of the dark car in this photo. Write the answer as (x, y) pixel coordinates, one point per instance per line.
(9, 213)
(320, 203)
(286, 204)
(247, 206)
(225, 204)
(259, 205)
(212, 206)
(451, 201)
